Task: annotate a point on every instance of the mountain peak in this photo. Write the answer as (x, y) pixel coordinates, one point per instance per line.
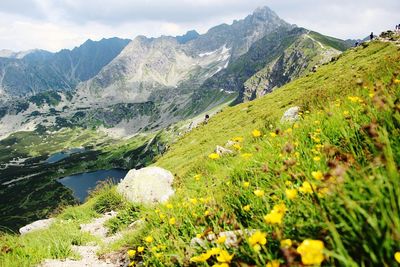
(190, 35)
(264, 12)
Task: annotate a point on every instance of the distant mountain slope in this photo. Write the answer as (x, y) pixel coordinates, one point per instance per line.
(271, 62)
(40, 70)
(179, 77)
(152, 64)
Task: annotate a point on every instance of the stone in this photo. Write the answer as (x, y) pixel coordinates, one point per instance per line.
(233, 238)
(230, 143)
(222, 150)
(291, 115)
(37, 225)
(147, 185)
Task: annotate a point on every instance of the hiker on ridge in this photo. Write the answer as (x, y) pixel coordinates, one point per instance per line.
(371, 36)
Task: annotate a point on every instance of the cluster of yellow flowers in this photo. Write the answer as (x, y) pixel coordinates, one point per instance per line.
(256, 133)
(276, 214)
(132, 253)
(214, 156)
(222, 256)
(257, 240)
(355, 99)
(311, 252)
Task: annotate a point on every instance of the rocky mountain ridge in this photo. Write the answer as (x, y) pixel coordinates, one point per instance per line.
(178, 77)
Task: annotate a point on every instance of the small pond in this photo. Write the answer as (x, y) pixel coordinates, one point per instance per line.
(63, 154)
(82, 183)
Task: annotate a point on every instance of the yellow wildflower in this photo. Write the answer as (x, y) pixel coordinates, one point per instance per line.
(286, 243)
(214, 156)
(132, 263)
(162, 216)
(197, 177)
(201, 258)
(272, 134)
(206, 213)
(172, 221)
(259, 193)
(316, 140)
(224, 264)
(237, 147)
(346, 113)
(193, 201)
(247, 155)
(273, 263)
(306, 188)
(258, 239)
(311, 252)
(371, 95)
(246, 208)
(169, 206)
(221, 239)
(296, 125)
(288, 130)
(354, 99)
(291, 193)
(131, 253)
(214, 251)
(256, 133)
(316, 158)
(288, 183)
(397, 81)
(397, 256)
(149, 239)
(158, 255)
(199, 235)
(323, 191)
(317, 175)
(276, 214)
(140, 249)
(224, 256)
(246, 184)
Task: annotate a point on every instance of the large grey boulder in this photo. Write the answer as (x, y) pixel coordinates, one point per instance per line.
(37, 225)
(291, 115)
(147, 185)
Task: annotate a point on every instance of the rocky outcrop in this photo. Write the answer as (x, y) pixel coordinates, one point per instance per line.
(37, 225)
(293, 61)
(291, 115)
(147, 185)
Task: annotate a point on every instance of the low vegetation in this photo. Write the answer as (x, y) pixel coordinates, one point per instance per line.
(321, 191)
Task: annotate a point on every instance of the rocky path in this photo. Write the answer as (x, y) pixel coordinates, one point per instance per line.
(88, 252)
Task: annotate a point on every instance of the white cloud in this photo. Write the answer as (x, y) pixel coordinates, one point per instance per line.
(56, 24)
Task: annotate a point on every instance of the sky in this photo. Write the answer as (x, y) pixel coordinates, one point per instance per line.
(56, 24)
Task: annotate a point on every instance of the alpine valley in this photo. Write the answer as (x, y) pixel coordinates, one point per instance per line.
(118, 103)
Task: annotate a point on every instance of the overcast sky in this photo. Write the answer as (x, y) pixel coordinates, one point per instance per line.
(57, 24)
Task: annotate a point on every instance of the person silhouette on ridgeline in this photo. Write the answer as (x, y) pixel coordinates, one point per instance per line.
(206, 119)
(371, 36)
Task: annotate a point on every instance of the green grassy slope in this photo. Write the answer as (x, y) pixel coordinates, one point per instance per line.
(332, 179)
(332, 81)
(350, 144)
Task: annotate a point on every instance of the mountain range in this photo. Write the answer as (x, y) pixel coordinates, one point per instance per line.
(130, 86)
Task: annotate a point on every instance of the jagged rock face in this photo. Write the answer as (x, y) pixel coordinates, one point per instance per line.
(148, 65)
(294, 61)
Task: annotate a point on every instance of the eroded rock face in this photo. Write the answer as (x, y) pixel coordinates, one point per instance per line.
(147, 185)
(291, 115)
(37, 225)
